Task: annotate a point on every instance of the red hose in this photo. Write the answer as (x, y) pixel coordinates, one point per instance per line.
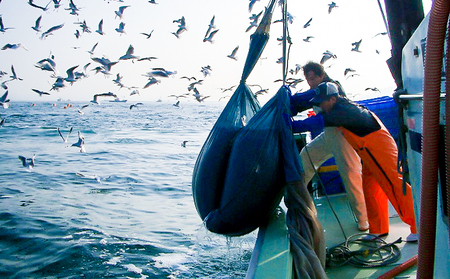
(400, 268)
(447, 130)
(429, 174)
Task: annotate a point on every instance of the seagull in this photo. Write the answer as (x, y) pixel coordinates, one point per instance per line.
(326, 56)
(36, 6)
(59, 83)
(200, 98)
(84, 26)
(148, 35)
(206, 70)
(129, 54)
(14, 76)
(192, 85)
(308, 39)
(233, 53)
(149, 58)
(95, 98)
(106, 63)
(96, 177)
(356, 46)
(13, 46)
(188, 78)
(352, 75)
(91, 52)
(65, 139)
(40, 92)
(27, 162)
(210, 37)
(121, 28)
(152, 2)
(100, 28)
(307, 23)
(211, 26)
(134, 92)
(47, 64)
(80, 143)
(70, 76)
(177, 104)
(381, 33)
(73, 8)
(136, 105)
(373, 89)
(183, 144)
(119, 13)
(348, 70)
(254, 22)
(152, 81)
(4, 101)
(227, 89)
(2, 27)
(37, 25)
(2, 122)
(331, 7)
(250, 5)
(51, 30)
(80, 110)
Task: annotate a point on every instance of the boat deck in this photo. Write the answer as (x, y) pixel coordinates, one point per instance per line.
(334, 236)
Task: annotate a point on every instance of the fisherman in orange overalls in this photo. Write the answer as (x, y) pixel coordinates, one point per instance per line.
(378, 151)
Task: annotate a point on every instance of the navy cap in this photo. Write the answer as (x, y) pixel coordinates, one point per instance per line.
(324, 91)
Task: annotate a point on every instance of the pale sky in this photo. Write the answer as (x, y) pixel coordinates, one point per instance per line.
(350, 22)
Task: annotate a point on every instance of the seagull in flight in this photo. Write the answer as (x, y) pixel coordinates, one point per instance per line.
(37, 25)
(136, 105)
(148, 35)
(80, 143)
(183, 144)
(348, 70)
(210, 37)
(51, 30)
(4, 101)
(119, 13)
(233, 53)
(40, 92)
(2, 122)
(65, 139)
(373, 89)
(326, 56)
(331, 7)
(308, 23)
(177, 104)
(308, 39)
(100, 28)
(129, 54)
(27, 162)
(356, 46)
(250, 5)
(39, 7)
(14, 75)
(95, 98)
(13, 46)
(121, 28)
(2, 27)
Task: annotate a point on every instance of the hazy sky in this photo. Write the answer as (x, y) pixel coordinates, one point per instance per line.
(350, 22)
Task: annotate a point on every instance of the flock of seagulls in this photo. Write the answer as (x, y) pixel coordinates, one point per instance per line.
(104, 65)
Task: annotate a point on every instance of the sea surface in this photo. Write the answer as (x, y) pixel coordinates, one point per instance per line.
(121, 209)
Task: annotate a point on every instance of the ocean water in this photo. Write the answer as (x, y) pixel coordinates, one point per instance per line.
(123, 208)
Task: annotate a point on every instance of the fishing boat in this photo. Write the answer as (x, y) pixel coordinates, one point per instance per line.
(118, 100)
(421, 112)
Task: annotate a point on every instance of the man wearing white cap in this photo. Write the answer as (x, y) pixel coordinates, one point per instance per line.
(378, 151)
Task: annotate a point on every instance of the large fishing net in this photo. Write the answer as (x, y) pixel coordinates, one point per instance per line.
(249, 162)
